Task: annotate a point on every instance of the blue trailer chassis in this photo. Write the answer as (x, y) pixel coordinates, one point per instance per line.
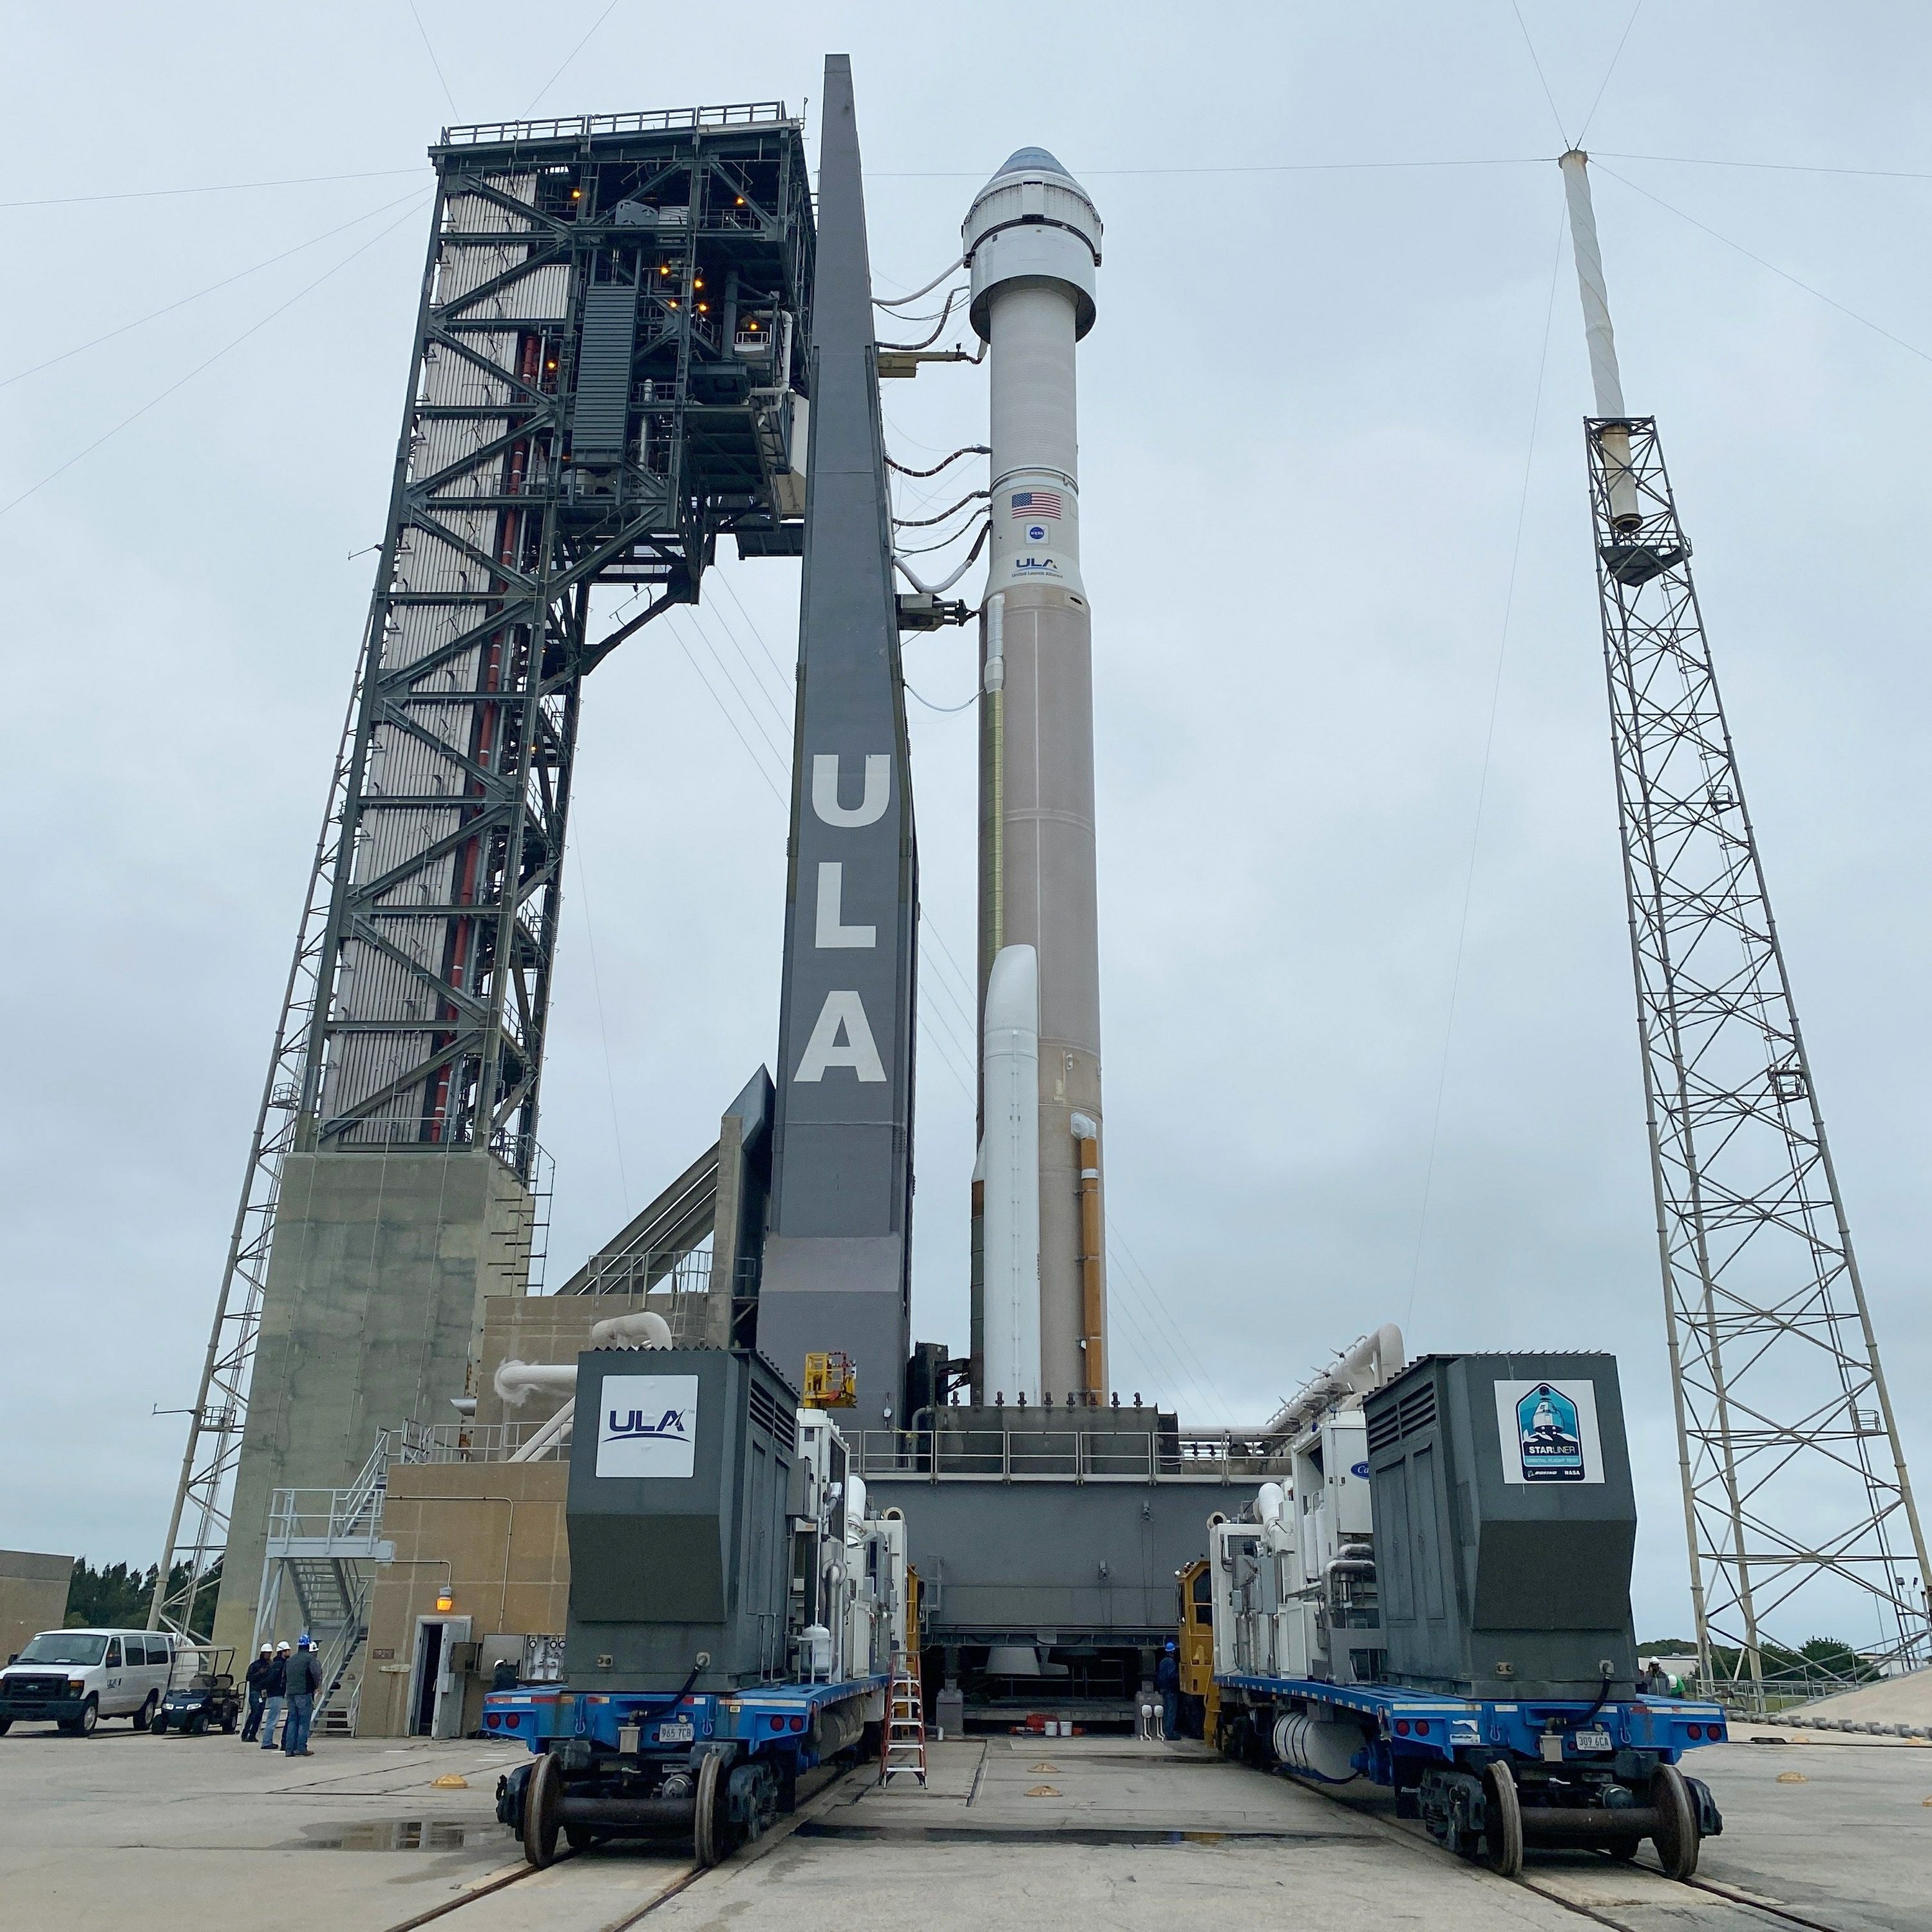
(1485, 1775)
(716, 1766)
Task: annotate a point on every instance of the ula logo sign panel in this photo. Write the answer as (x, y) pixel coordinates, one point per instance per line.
(1548, 1431)
(647, 1426)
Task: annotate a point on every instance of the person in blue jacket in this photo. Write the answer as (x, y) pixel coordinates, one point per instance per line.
(1167, 1681)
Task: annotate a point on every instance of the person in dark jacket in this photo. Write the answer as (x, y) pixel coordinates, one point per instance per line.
(276, 1686)
(504, 1677)
(257, 1680)
(1167, 1681)
(303, 1680)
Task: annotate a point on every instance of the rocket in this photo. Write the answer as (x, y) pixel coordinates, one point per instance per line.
(1032, 239)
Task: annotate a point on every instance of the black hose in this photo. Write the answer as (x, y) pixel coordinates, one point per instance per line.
(971, 449)
(944, 313)
(927, 523)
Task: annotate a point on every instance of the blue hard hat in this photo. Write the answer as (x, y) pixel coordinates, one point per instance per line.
(1170, 1643)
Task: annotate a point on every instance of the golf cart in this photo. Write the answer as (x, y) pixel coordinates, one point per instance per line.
(205, 1697)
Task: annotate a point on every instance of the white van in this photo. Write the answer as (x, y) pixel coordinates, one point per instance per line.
(75, 1678)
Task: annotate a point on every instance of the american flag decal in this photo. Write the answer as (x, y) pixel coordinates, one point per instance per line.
(1036, 503)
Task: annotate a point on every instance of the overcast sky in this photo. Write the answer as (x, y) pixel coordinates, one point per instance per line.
(1313, 430)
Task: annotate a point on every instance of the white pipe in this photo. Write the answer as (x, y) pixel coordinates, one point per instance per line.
(945, 584)
(515, 1382)
(556, 1430)
(643, 1328)
(1010, 1163)
(1604, 375)
(1355, 1372)
(900, 301)
(995, 677)
(1605, 379)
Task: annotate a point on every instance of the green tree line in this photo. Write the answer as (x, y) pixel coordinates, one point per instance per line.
(119, 1596)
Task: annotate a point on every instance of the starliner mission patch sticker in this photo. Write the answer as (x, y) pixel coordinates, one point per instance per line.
(1549, 1432)
(647, 1426)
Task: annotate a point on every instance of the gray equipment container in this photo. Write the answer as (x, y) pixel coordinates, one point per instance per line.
(1505, 1525)
(682, 1482)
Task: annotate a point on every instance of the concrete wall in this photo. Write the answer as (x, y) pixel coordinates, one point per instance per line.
(373, 1314)
(33, 1595)
(494, 1535)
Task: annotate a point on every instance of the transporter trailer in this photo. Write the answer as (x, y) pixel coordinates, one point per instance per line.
(1437, 1601)
(1488, 1778)
(713, 1770)
(737, 1613)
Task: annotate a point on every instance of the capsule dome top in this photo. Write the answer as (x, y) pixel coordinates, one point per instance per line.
(1022, 158)
(1032, 222)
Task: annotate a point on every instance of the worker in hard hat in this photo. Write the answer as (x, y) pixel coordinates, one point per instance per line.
(257, 1680)
(303, 1681)
(1167, 1681)
(276, 1684)
(504, 1676)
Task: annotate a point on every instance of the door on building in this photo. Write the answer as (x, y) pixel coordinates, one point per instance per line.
(435, 1688)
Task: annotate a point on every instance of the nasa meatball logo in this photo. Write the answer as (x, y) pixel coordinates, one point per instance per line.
(1035, 533)
(1549, 1432)
(646, 1426)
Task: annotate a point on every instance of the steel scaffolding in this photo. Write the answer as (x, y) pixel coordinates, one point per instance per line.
(609, 372)
(1792, 1468)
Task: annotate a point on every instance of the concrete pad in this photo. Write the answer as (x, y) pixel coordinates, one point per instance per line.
(1851, 1846)
(188, 1835)
(210, 1833)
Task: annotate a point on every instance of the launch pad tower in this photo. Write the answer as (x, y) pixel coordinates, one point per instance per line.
(609, 372)
(1793, 1473)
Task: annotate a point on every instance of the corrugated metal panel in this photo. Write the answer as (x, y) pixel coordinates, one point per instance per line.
(604, 371)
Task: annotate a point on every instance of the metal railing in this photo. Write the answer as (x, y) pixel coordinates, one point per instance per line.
(582, 127)
(1124, 1454)
(664, 1271)
(343, 1523)
(469, 1442)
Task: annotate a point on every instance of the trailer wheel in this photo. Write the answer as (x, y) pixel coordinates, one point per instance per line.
(710, 1827)
(541, 1795)
(1676, 1838)
(1502, 1830)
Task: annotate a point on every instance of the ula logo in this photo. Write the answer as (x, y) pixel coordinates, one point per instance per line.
(650, 1425)
(1548, 1440)
(670, 1424)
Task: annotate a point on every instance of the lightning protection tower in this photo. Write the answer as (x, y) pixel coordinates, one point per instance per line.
(1792, 1474)
(610, 370)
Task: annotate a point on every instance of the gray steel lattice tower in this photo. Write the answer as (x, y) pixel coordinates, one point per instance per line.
(1032, 240)
(1791, 1468)
(607, 374)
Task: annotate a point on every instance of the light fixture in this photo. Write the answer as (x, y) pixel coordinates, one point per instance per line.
(445, 1600)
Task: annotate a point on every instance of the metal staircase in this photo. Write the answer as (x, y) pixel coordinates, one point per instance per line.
(325, 1543)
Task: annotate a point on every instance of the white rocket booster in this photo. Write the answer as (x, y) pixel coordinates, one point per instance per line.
(1009, 1177)
(1032, 240)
